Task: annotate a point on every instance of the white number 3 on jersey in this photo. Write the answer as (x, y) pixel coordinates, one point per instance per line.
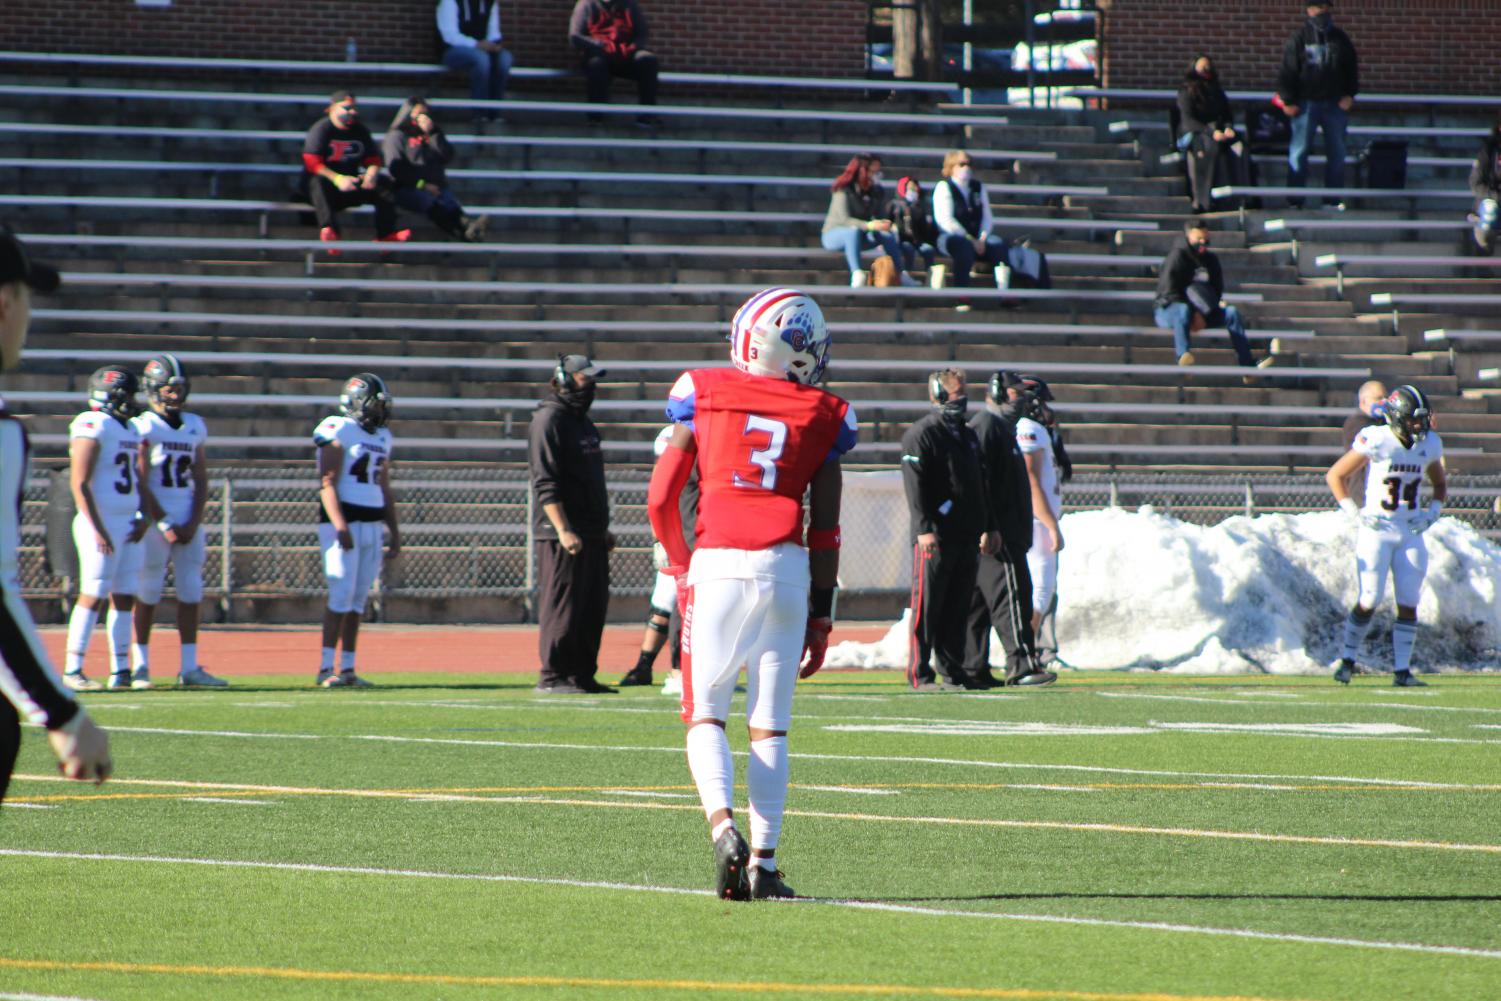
(767, 457)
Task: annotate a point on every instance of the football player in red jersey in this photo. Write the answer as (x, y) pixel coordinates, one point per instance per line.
(761, 433)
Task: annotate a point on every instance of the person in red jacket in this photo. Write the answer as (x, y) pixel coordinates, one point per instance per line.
(343, 162)
(611, 38)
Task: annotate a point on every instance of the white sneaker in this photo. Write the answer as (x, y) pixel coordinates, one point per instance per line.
(76, 681)
(140, 679)
(673, 685)
(859, 279)
(119, 679)
(909, 282)
(1002, 276)
(199, 678)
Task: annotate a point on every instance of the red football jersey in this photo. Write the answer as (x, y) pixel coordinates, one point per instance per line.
(760, 441)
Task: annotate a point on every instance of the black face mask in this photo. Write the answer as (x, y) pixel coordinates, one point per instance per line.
(954, 410)
(579, 398)
(1322, 20)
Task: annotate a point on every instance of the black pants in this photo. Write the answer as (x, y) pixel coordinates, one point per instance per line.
(328, 201)
(1002, 599)
(10, 743)
(573, 595)
(641, 67)
(1211, 164)
(941, 586)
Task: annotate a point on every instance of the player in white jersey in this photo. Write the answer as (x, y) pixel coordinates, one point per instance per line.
(354, 470)
(664, 597)
(174, 489)
(1036, 444)
(103, 449)
(1396, 457)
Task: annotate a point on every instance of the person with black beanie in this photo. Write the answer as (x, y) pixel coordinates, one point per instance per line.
(1316, 88)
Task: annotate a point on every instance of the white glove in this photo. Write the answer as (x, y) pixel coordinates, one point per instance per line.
(659, 556)
(1350, 508)
(1423, 522)
(1376, 522)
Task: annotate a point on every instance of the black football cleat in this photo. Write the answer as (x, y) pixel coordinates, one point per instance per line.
(1034, 678)
(731, 856)
(1406, 679)
(1344, 670)
(636, 676)
(594, 687)
(766, 884)
(563, 687)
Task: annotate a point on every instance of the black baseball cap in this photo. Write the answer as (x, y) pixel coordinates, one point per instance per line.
(16, 265)
(580, 365)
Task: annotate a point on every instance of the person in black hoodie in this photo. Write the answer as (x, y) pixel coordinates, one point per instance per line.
(952, 524)
(912, 217)
(1485, 184)
(1206, 132)
(1316, 87)
(571, 522)
(1190, 295)
(417, 156)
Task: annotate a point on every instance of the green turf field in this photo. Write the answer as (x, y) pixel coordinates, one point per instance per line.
(1110, 838)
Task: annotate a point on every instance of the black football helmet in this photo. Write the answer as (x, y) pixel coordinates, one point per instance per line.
(163, 371)
(365, 401)
(1407, 414)
(113, 389)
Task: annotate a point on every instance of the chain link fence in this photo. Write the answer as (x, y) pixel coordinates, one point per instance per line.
(467, 532)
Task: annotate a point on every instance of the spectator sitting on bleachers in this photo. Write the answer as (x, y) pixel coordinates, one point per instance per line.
(472, 43)
(1207, 133)
(611, 38)
(343, 169)
(417, 155)
(961, 209)
(1485, 183)
(915, 230)
(852, 223)
(1190, 294)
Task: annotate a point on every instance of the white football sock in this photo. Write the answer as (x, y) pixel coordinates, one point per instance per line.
(327, 663)
(346, 660)
(189, 660)
(1355, 631)
(712, 767)
(80, 629)
(120, 630)
(1404, 636)
(766, 783)
(139, 660)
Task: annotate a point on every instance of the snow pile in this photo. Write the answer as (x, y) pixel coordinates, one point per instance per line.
(1141, 590)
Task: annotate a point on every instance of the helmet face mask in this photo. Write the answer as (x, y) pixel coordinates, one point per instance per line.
(165, 373)
(1408, 415)
(365, 401)
(112, 390)
(780, 333)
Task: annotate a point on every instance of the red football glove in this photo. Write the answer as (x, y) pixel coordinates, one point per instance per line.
(815, 645)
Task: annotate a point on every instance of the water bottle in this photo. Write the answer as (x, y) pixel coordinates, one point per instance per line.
(351, 51)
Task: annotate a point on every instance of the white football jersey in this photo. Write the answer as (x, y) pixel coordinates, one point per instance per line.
(170, 451)
(1033, 437)
(365, 452)
(114, 478)
(1395, 474)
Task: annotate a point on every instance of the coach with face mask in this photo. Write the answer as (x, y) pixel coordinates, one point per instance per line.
(952, 523)
(571, 522)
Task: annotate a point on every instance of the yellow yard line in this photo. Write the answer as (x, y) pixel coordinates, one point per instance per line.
(604, 983)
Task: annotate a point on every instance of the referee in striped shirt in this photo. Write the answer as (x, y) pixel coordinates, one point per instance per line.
(27, 681)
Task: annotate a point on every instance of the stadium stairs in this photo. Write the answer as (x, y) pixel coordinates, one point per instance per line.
(1135, 411)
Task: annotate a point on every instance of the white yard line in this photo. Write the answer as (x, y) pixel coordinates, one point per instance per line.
(1249, 700)
(895, 759)
(224, 800)
(1245, 933)
(849, 789)
(41, 997)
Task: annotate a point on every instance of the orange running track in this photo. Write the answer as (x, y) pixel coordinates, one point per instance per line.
(234, 651)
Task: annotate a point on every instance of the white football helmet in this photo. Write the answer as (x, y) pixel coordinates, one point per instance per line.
(780, 333)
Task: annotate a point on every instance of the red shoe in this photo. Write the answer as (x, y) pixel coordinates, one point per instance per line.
(328, 234)
(395, 236)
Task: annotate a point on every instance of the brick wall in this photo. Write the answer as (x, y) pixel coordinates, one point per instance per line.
(1405, 46)
(818, 38)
